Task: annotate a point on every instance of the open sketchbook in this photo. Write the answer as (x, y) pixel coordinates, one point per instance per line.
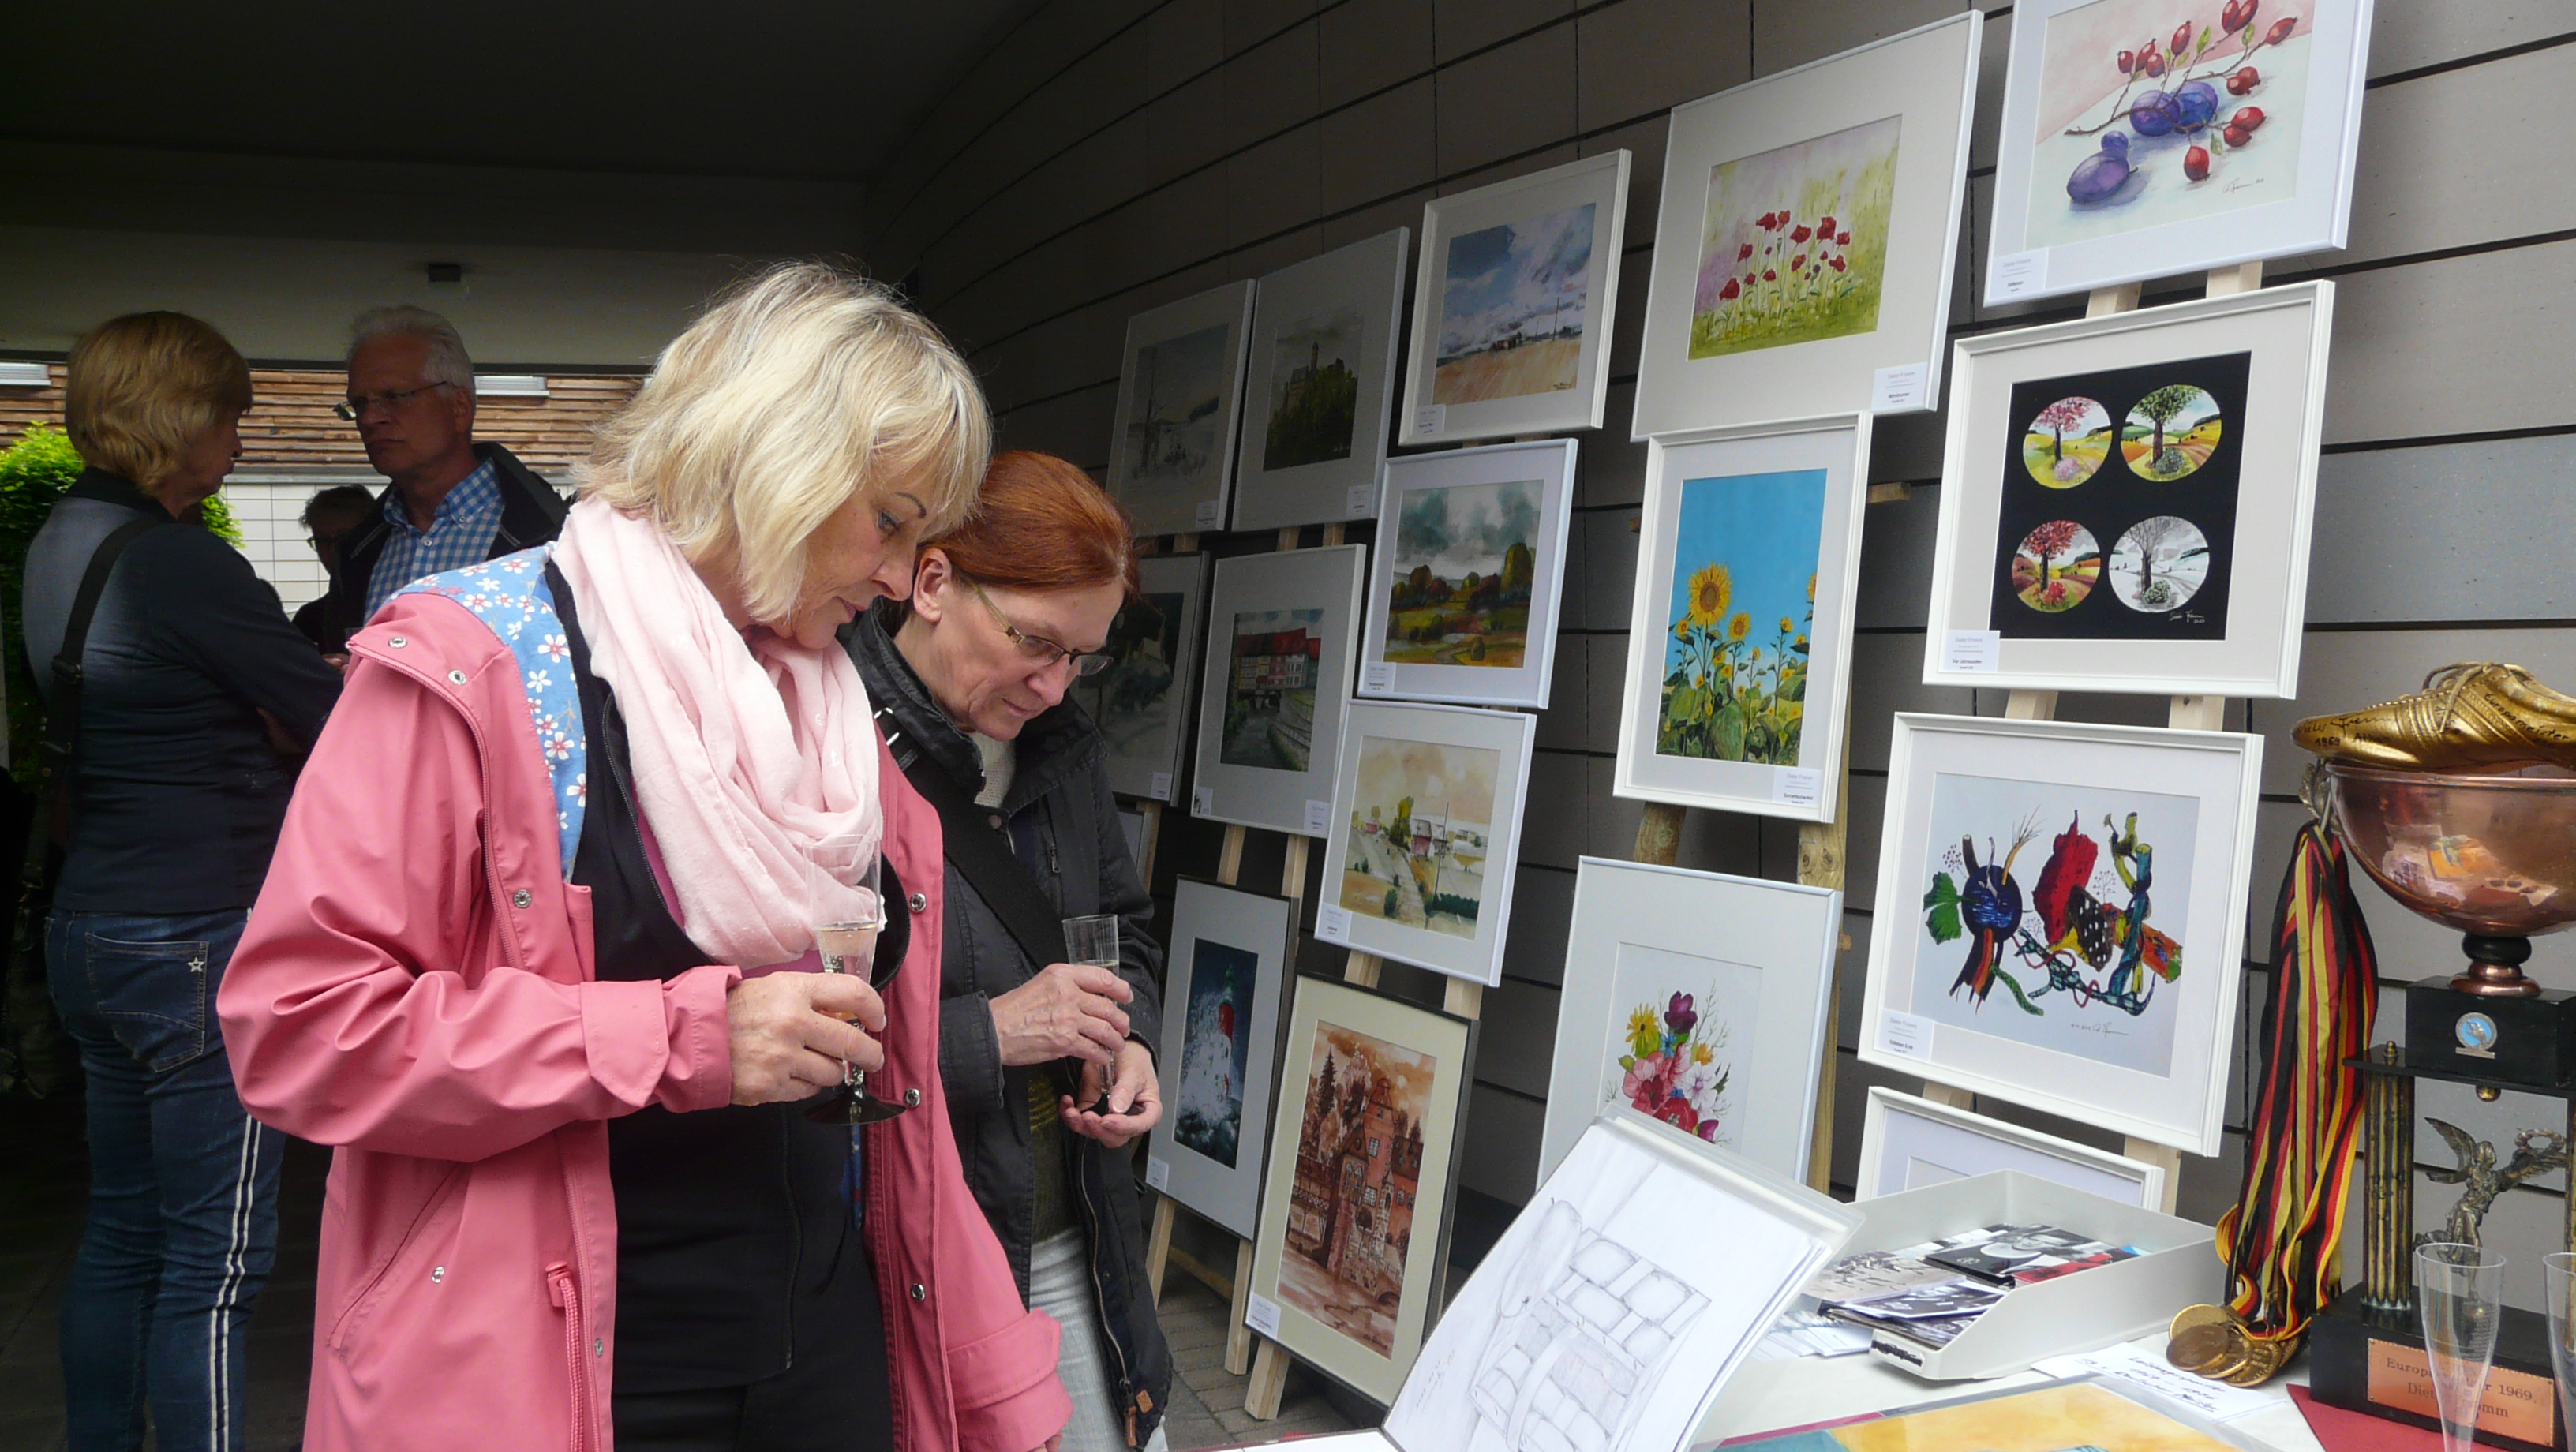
(1616, 1306)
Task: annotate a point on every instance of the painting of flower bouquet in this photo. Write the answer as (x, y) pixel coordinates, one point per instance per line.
(1738, 630)
(1795, 242)
(1672, 1069)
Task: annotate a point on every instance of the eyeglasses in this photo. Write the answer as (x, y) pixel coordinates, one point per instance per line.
(1040, 651)
(356, 406)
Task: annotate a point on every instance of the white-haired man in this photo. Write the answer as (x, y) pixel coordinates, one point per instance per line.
(451, 501)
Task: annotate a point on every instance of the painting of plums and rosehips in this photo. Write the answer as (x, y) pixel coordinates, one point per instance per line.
(2160, 111)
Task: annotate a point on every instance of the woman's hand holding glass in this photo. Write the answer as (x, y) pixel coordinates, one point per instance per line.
(1134, 1099)
(1065, 1011)
(792, 1032)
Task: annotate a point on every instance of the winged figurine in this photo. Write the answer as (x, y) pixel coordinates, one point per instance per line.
(2535, 1153)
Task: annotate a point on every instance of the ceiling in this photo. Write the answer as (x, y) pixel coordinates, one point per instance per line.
(782, 89)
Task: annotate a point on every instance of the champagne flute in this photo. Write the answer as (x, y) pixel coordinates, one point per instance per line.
(845, 938)
(2459, 1294)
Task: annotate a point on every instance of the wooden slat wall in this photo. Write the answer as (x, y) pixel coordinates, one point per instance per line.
(1115, 154)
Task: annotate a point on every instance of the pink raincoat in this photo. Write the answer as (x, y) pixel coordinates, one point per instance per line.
(416, 988)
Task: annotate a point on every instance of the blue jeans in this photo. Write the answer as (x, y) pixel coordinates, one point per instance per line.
(183, 1185)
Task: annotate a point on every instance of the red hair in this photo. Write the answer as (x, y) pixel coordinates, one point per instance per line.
(1040, 524)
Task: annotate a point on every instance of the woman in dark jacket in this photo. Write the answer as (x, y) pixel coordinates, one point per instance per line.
(1046, 1063)
(191, 689)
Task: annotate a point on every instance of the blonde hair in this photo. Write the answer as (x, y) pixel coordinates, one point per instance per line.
(796, 391)
(141, 389)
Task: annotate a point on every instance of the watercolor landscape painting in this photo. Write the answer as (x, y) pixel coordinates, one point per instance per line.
(1207, 1101)
(1359, 1168)
(1464, 562)
(1176, 424)
(1420, 827)
(1736, 639)
(2152, 112)
(1794, 246)
(1270, 695)
(1515, 300)
(2049, 892)
(1132, 702)
(1314, 393)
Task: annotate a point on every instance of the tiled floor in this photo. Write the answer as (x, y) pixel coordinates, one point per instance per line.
(40, 1223)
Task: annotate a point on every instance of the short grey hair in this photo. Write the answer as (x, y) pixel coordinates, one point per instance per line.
(447, 361)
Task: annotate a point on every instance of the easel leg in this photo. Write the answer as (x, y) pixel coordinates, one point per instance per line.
(2147, 1151)
(1269, 1381)
(1158, 1246)
(1238, 1336)
(1952, 1095)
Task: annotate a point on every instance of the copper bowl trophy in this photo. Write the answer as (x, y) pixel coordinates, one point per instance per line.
(2494, 857)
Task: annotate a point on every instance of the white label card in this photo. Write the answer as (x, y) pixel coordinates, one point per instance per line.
(1333, 924)
(1377, 675)
(1207, 513)
(2214, 1400)
(1319, 817)
(1202, 801)
(1899, 390)
(1158, 1173)
(2021, 274)
(1906, 1035)
(1261, 1314)
(1796, 786)
(1363, 499)
(1162, 791)
(1431, 418)
(1973, 652)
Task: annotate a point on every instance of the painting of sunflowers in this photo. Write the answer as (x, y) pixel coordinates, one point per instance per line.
(1738, 629)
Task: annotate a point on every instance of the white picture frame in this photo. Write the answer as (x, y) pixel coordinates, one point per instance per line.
(1141, 704)
(1874, 140)
(1315, 593)
(1425, 1059)
(1460, 761)
(1305, 465)
(1446, 516)
(1229, 974)
(1908, 1142)
(1757, 958)
(1648, 1263)
(1753, 502)
(2286, 191)
(2146, 1054)
(2249, 503)
(1171, 455)
(1516, 243)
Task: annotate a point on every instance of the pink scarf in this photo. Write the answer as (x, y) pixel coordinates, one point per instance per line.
(752, 759)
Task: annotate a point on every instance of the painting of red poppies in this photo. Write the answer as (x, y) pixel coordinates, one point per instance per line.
(1795, 242)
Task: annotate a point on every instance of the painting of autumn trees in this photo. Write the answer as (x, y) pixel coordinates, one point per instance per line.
(2057, 566)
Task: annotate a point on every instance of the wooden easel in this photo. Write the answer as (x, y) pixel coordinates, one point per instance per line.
(2187, 713)
(1237, 1289)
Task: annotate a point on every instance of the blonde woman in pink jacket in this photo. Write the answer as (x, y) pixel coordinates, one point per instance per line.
(528, 954)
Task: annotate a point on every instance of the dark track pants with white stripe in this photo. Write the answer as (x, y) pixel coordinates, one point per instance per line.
(183, 1186)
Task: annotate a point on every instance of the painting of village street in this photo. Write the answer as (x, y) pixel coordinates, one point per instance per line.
(1270, 691)
(1464, 560)
(1175, 423)
(1314, 394)
(1419, 825)
(1359, 1164)
(1512, 307)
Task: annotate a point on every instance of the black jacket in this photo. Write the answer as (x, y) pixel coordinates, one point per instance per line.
(1062, 817)
(531, 514)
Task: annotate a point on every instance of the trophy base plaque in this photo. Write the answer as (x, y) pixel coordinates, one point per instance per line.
(2526, 1038)
(2372, 1361)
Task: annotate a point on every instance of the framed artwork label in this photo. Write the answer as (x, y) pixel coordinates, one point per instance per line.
(1378, 676)
(1905, 1034)
(1319, 817)
(1972, 651)
(1794, 786)
(1203, 801)
(1361, 497)
(1431, 418)
(1899, 390)
(1261, 1314)
(1207, 514)
(1162, 786)
(1158, 1173)
(2516, 1404)
(2022, 274)
(1333, 924)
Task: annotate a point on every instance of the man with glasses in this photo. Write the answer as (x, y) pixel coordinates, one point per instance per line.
(451, 501)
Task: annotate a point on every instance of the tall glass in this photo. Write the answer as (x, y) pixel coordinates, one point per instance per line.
(1090, 942)
(2560, 1268)
(845, 938)
(2459, 1296)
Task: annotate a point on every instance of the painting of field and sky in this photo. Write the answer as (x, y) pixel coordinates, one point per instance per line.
(1420, 826)
(1515, 300)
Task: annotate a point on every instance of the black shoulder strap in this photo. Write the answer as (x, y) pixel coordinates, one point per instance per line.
(62, 716)
(984, 857)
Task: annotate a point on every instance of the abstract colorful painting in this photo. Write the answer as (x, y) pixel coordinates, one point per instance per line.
(2129, 476)
(1420, 831)
(2044, 897)
(1176, 425)
(1737, 628)
(1207, 1099)
(1459, 584)
(2152, 112)
(1270, 696)
(1794, 247)
(1359, 1165)
(1314, 389)
(1514, 302)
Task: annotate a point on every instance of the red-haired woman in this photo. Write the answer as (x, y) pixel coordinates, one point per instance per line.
(970, 681)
